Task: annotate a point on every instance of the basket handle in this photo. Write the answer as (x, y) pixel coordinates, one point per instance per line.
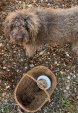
(46, 92)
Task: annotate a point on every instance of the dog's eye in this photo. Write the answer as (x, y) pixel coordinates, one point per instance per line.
(26, 27)
(25, 19)
(11, 28)
(25, 24)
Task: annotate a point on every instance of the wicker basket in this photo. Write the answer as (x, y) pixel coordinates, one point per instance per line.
(28, 95)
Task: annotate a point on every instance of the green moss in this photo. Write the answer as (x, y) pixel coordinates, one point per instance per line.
(4, 109)
(66, 104)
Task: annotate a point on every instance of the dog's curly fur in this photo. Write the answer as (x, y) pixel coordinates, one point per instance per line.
(35, 27)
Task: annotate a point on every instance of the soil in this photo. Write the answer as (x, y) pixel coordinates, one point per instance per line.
(13, 63)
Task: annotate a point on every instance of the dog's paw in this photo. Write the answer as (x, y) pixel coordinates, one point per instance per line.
(29, 54)
(75, 49)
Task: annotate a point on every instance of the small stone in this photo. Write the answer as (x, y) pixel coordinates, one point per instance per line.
(49, 4)
(4, 67)
(67, 54)
(41, 53)
(29, 5)
(7, 87)
(61, 72)
(67, 87)
(74, 76)
(41, 0)
(68, 77)
(31, 65)
(26, 67)
(65, 91)
(17, 70)
(4, 94)
(21, 59)
(0, 44)
(20, 2)
(55, 62)
(68, 81)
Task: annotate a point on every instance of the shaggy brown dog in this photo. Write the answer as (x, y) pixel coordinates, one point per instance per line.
(35, 27)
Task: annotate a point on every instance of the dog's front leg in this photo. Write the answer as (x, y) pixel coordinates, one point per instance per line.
(30, 49)
(75, 47)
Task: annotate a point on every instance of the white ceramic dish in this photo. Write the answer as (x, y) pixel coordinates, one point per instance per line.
(46, 79)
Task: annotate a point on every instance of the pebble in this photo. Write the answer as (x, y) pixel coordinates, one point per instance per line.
(4, 67)
(26, 67)
(68, 81)
(31, 65)
(7, 87)
(20, 2)
(67, 54)
(0, 44)
(61, 72)
(49, 4)
(41, 0)
(29, 5)
(55, 62)
(21, 60)
(41, 53)
(4, 94)
(17, 70)
(74, 76)
(47, 0)
(67, 87)
(68, 77)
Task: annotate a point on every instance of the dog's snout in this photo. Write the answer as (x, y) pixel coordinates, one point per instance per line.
(18, 37)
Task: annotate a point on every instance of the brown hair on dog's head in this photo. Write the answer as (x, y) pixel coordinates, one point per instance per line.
(20, 26)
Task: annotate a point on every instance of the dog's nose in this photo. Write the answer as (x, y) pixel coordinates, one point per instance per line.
(19, 38)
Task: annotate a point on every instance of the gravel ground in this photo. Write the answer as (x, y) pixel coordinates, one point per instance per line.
(13, 63)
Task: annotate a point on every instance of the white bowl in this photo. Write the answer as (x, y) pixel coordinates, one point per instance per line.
(45, 78)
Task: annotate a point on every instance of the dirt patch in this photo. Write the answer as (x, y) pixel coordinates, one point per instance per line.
(13, 63)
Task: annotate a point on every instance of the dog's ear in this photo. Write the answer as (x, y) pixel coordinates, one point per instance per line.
(8, 23)
(32, 23)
